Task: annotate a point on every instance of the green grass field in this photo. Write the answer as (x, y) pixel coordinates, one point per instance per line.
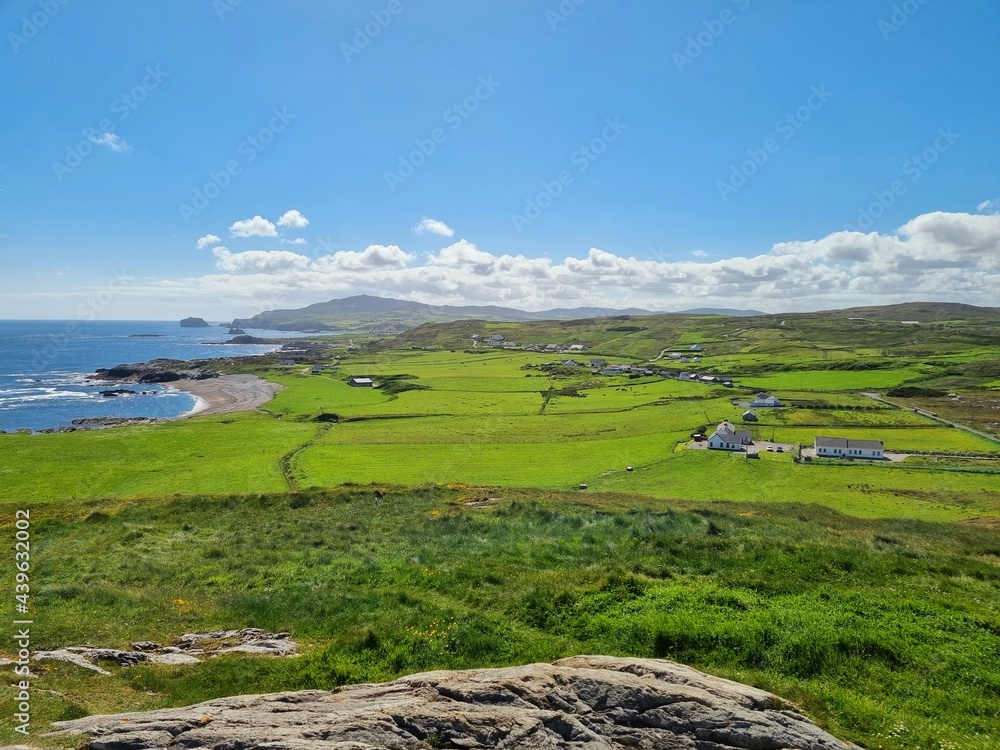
(867, 593)
(831, 380)
(203, 455)
(868, 625)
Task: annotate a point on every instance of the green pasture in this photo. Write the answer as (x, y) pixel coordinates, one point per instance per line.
(659, 471)
(868, 417)
(215, 454)
(884, 631)
(880, 491)
(620, 395)
(650, 421)
(834, 398)
(831, 380)
(559, 465)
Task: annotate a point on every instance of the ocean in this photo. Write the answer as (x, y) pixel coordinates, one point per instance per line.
(44, 363)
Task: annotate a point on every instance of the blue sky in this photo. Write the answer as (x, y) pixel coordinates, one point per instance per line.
(775, 155)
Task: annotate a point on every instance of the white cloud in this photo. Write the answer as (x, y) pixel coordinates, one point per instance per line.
(699, 253)
(258, 226)
(991, 205)
(208, 239)
(434, 227)
(293, 220)
(113, 141)
(464, 254)
(935, 257)
(296, 241)
(373, 257)
(259, 261)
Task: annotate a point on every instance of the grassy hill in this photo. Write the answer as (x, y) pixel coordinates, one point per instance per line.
(943, 327)
(885, 631)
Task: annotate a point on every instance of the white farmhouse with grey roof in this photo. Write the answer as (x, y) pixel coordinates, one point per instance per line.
(838, 447)
(727, 438)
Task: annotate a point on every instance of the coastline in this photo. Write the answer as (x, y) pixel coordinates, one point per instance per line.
(226, 393)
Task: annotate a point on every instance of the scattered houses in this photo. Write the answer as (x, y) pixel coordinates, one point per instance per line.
(727, 438)
(598, 362)
(838, 447)
(361, 382)
(765, 399)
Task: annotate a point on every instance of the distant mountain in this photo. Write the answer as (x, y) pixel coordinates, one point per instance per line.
(364, 312)
(922, 312)
(367, 313)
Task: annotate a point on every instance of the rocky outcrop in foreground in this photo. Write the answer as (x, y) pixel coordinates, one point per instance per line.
(585, 702)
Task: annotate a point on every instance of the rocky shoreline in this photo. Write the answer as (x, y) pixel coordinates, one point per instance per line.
(214, 392)
(155, 371)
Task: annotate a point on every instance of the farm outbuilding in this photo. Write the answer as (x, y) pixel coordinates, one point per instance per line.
(361, 382)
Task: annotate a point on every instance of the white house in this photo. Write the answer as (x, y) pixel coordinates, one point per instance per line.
(361, 382)
(727, 438)
(838, 447)
(497, 337)
(765, 399)
(696, 348)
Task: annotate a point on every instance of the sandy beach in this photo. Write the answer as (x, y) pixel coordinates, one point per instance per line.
(226, 393)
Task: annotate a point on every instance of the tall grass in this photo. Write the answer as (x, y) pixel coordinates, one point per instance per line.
(886, 631)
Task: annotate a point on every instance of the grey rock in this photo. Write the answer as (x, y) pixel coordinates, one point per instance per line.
(272, 647)
(145, 646)
(173, 659)
(123, 658)
(189, 639)
(592, 702)
(61, 654)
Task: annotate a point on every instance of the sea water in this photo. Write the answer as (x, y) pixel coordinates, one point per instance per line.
(44, 364)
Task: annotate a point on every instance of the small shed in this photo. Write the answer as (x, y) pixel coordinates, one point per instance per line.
(361, 382)
(750, 416)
